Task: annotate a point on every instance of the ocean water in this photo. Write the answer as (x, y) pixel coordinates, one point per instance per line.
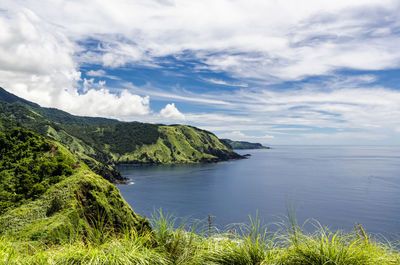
(336, 185)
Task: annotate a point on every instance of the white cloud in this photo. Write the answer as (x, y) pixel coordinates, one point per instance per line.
(91, 84)
(41, 52)
(240, 136)
(101, 73)
(96, 73)
(177, 95)
(171, 112)
(344, 111)
(344, 103)
(280, 40)
(225, 83)
(362, 108)
(102, 103)
(344, 135)
(36, 63)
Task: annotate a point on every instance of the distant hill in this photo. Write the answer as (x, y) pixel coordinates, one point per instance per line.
(243, 144)
(101, 142)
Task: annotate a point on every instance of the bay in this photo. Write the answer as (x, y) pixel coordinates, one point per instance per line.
(336, 185)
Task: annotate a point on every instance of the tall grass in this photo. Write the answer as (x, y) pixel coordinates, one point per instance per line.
(181, 245)
(246, 244)
(173, 243)
(333, 248)
(7, 252)
(130, 249)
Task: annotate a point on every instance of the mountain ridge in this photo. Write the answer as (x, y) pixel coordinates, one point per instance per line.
(102, 142)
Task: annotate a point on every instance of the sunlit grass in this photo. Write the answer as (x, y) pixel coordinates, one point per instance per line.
(173, 243)
(333, 248)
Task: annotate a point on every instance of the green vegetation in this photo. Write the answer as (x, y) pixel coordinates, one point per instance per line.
(169, 244)
(243, 144)
(178, 144)
(30, 165)
(120, 138)
(101, 142)
(20, 116)
(55, 210)
(47, 194)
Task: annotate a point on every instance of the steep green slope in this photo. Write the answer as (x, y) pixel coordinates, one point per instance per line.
(243, 144)
(29, 165)
(47, 193)
(18, 115)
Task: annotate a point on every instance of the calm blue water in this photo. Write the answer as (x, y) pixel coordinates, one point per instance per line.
(337, 185)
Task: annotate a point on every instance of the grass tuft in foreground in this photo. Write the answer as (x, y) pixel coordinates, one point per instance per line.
(170, 243)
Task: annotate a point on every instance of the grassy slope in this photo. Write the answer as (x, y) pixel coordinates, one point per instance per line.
(69, 209)
(179, 144)
(68, 206)
(150, 143)
(245, 245)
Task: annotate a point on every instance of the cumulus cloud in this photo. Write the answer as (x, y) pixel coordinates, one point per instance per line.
(33, 58)
(102, 103)
(36, 63)
(171, 112)
(89, 84)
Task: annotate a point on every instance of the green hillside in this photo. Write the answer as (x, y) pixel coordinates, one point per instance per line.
(243, 144)
(48, 194)
(19, 115)
(101, 142)
(149, 143)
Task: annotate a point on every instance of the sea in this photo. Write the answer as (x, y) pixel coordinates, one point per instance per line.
(332, 186)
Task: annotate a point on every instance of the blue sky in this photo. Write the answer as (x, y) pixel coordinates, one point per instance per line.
(276, 72)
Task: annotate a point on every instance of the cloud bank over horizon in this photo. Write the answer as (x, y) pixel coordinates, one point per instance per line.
(280, 72)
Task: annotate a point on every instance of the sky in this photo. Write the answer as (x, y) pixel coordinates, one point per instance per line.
(275, 72)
